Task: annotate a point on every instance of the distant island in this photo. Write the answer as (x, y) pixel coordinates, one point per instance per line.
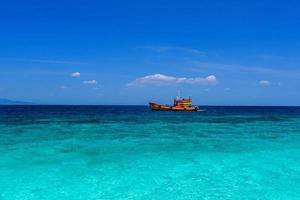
(14, 102)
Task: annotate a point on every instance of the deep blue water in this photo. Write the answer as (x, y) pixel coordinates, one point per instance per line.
(130, 152)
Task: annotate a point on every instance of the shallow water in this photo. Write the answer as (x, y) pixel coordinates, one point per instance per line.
(129, 152)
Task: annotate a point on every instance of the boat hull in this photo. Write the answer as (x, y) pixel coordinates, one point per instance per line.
(188, 109)
(158, 107)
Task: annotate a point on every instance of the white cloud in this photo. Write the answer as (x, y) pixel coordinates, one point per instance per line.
(75, 74)
(160, 79)
(270, 57)
(90, 82)
(63, 87)
(53, 61)
(160, 49)
(200, 66)
(264, 82)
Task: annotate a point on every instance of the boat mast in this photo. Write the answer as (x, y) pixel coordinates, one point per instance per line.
(178, 95)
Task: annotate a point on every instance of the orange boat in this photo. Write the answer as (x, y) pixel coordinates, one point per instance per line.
(179, 105)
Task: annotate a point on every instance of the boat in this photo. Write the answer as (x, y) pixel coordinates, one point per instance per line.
(178, 105)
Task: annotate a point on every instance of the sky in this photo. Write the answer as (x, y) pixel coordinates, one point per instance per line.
(132, 52)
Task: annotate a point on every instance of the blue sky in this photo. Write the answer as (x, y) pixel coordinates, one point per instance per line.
(133, 52)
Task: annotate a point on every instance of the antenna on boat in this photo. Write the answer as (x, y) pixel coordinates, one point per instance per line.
(178, 94)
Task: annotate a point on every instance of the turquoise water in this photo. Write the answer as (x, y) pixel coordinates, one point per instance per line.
(98, 152)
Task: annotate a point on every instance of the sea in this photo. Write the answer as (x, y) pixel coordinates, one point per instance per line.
(131, 152)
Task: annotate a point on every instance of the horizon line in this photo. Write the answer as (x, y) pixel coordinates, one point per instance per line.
(144, 105)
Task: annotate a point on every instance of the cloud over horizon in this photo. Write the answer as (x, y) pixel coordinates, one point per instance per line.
(161, 49)
(52, 61)
(63, 87)
(264, 82)
(75, 74)
(90, 82)
(160, 79)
